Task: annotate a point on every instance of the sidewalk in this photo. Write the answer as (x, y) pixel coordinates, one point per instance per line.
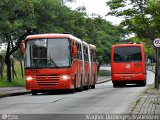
(12, 91)
(103, 79)
(148, 103)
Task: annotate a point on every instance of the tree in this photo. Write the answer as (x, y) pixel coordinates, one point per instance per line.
(141, 16)
(64, 1)
(16, 18)
(102, 34)
(21, 18)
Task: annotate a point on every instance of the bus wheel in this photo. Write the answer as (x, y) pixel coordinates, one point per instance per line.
(87, 87)
(93, 86)
(74, 89)
(115, 85)
(143, 83)
(81, 86)
(33, 92)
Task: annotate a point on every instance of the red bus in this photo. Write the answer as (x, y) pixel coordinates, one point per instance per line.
(57, 61)
(128, 64)
(90, 66)
(93, 66)
(86, 65)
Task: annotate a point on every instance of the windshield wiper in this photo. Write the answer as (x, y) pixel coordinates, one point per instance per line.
(51, 62)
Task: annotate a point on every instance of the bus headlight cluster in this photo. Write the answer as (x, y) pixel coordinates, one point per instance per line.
(65, 77)
(29, 78)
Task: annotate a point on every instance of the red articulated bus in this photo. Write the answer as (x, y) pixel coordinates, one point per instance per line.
(128, 64)
(86, 64)
(58, 61)
(93, 66)
(90, 66)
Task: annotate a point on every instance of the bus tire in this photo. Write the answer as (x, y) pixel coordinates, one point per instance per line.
(93, 86)
(87, 87)
(81, 86)
(115, 85)
(74, 88)
(143, 83)
(33, 92)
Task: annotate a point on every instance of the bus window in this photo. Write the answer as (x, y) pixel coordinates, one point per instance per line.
(48, 53)
(127, 54)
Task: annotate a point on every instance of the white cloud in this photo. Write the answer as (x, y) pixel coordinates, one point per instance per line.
(98, 7)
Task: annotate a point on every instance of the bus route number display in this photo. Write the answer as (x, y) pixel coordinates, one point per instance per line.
(157, 42)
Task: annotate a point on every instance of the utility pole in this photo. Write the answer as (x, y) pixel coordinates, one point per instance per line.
(157, 74)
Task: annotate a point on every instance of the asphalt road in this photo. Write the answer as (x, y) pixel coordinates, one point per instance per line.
(103, 100)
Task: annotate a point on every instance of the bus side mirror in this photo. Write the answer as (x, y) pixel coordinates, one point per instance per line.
(74, 51)
(22, 47)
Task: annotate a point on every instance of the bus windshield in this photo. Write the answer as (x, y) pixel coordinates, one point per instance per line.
(127, 54)
(53, 53)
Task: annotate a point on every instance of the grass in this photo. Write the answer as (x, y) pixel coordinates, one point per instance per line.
(104, 73)
(18, 81)
(14, 83)
(100, 73)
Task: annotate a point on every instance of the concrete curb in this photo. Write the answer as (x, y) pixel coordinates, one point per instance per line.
(14, 93)
(103, 81)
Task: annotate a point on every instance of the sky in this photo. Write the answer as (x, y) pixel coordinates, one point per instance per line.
(98, 7)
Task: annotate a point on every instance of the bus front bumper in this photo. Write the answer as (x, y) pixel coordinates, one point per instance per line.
(61, 84)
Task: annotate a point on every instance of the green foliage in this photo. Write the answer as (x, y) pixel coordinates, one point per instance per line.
(15, 16)
(141, 17)
(18, 81)
(148, 47)
(40, 16)
(103, 35)
(14, 83)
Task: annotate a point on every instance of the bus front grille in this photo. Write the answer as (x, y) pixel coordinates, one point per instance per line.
(47, 80)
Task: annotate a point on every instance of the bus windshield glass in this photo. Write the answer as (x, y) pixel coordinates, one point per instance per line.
(53, 53)
(127, 54)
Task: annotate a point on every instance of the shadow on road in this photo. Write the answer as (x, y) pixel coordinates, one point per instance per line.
(58, 92)
(130, 85)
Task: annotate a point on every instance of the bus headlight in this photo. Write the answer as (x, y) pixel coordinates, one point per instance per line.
(29, 78)
(65, 77)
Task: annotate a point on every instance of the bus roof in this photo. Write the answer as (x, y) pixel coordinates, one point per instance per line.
(92, 46)
(119, 45)
(84, 43)
(53, 35)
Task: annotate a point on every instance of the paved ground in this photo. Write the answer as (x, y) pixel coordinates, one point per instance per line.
(12, 91)
(148, 103)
